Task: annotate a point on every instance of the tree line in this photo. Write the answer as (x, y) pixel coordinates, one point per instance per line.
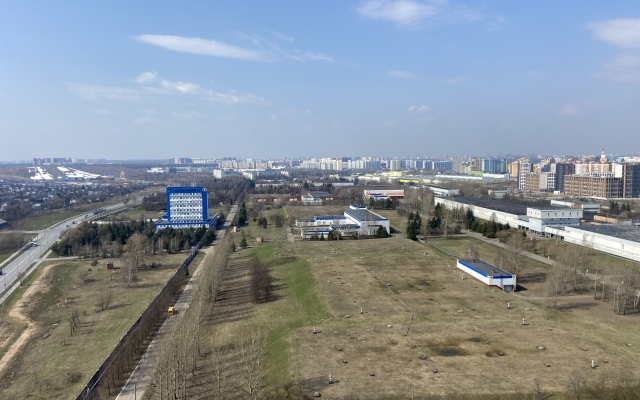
(91, 238)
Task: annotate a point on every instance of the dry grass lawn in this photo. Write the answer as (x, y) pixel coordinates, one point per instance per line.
(463, 326)
(55, 364)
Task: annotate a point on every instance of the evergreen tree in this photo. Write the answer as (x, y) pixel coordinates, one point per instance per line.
(382, 232)
(242, 215)
(469, 218)
(411, 231)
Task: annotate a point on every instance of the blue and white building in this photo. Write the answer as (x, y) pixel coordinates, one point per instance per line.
(187, 207)
(488, 274)
(356, 219)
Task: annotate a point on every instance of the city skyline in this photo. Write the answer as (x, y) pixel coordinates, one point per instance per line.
(152, 80)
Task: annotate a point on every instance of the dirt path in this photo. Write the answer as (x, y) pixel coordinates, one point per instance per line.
(19, 313)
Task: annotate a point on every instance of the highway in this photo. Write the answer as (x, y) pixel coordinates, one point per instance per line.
(29, 259)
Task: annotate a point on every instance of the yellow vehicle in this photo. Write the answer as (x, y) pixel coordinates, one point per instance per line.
(170, 310)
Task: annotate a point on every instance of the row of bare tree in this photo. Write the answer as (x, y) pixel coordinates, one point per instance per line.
(182, 346)
(578, 271)
(228, 363)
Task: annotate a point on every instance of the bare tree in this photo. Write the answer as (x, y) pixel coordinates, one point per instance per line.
(472, 251)
(625, 284)
(573, 258)
(21, 276)
(104, 299)
(577, 386)
(74, 321)
(84, 275)
(220, 349)
(129, 272)
(557, 282)
(515, 256)
(260, 281)
(252, 346)
(135, 249)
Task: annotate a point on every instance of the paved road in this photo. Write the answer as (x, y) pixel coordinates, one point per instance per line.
(26, 261)
(140, 378)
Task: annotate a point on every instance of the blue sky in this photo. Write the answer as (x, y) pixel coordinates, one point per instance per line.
(266, 79)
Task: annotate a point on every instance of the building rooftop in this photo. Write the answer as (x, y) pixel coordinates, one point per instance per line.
(485, 267)
(519, 208)
(364, 215)
(626, 232)
(328, 217)
(320, 193)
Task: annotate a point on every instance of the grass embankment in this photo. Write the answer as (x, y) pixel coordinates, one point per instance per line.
(57, 362)
(300, 305)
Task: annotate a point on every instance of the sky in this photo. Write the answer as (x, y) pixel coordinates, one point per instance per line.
(273, 79)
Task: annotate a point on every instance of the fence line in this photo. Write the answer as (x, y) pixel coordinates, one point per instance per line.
(152, 313)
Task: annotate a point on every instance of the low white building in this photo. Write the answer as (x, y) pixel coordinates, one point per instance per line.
(488, 274)
(443, 192)
(620, 240)
(384, 194)
(354, 220)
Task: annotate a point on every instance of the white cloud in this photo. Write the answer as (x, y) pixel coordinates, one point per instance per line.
(623, 68)
(97, 92)
(231, 97)
(455, 80)
(418, 109)
(188, 114)
(145, 121)
(404, 12)
(200, 46)
(398, 73)
(416, 12)
(569, 109)
(575, 108)
(147, 77)
(310, 56)
(534, 73)
(161, 87)
(280, 36)
(621, 32)
(277, 50)
(181, 87)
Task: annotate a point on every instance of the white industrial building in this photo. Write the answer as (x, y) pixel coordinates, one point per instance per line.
(488, 274)
(356, 219)
(383, 194)
(552, 217)
(619, 240)
(534, 218)
(586, 207)
(443, 192)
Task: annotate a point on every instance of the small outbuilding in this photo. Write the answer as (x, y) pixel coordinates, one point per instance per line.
(488, 274)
